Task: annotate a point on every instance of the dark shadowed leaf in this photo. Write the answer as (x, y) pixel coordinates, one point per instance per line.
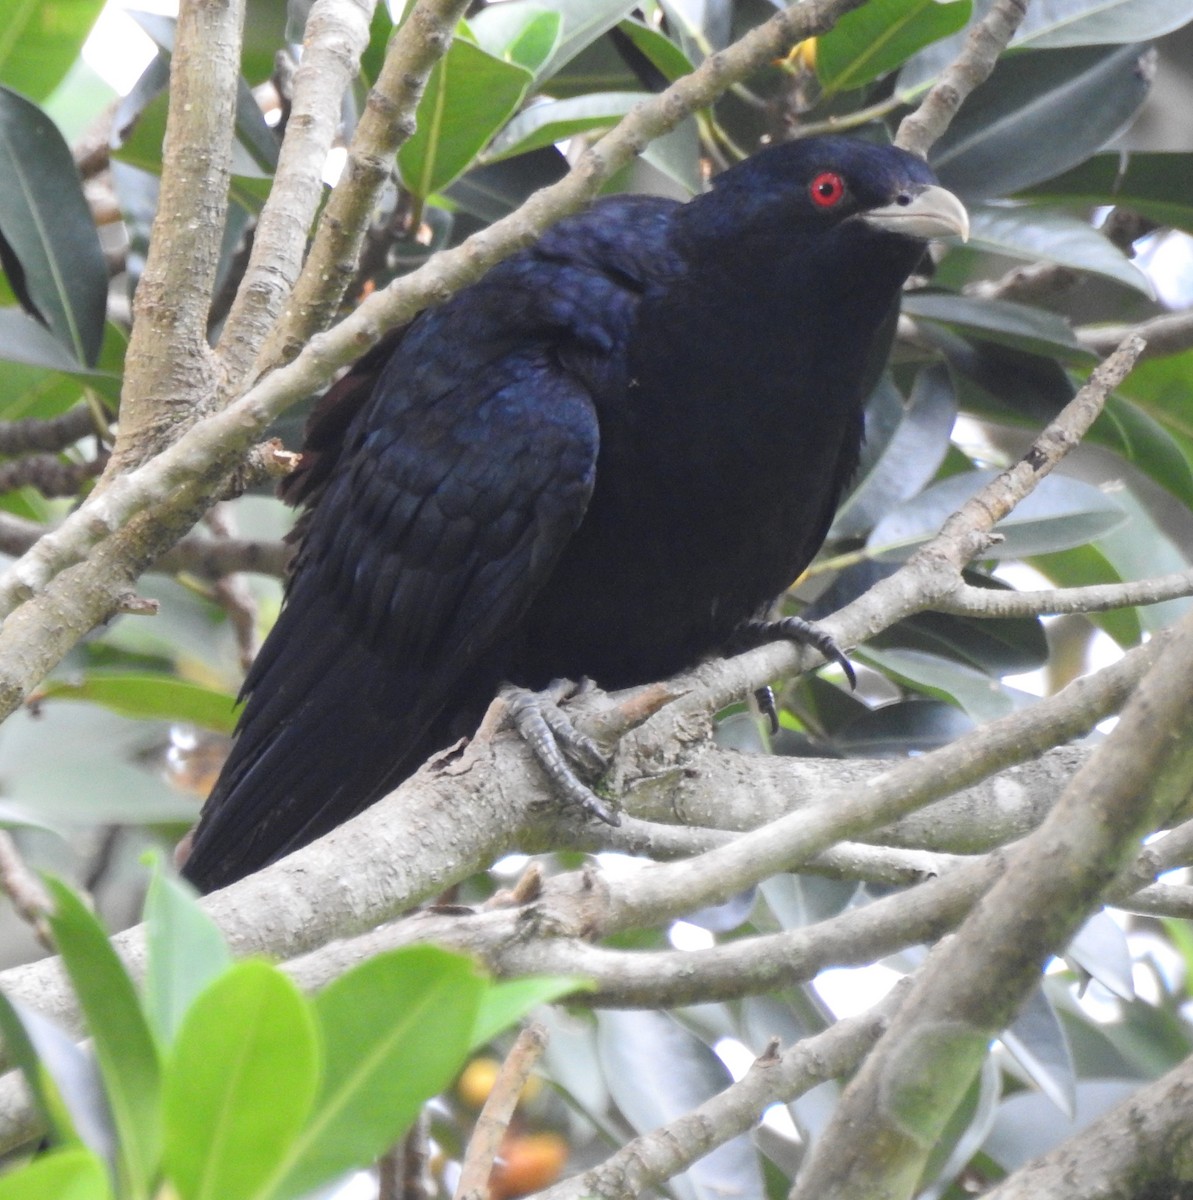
(657, 1071)
(1038, 115)
(1038, 235)
(496, 189)
(1060, 513)
(1156, 185)
(239, 1084)
(124, 1046)
(911, 456)
(48, 225)
(893, 729)
(1016, 325)
(878, 37)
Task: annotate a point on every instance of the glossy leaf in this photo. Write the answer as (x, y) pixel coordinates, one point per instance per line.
(61, 1076)
(185, 952)
(1100, 22)
(981, 698)
(1100, 948)
(239, 1084)
(893, 729)
(1003, 321)
(1041, 236)
(1038, 115)
(910, 459)
(581, 23)
(656, 1072)
(664, 55)
(469, 96)
(395, 1030)
(536, 43)
(145, 695)
(504, 1004)
(1060, 513)
(1036, 1040)
(1155, 184)
(124, 1047)
(73, 1173)
(47, 223)
(872, 40)
(555, 121)
(1084, 566)
(40, 40)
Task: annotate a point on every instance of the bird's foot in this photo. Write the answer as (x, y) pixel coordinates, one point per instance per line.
(553, 739)
(757, 633)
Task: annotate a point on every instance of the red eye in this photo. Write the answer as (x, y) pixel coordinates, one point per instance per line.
(827, 189)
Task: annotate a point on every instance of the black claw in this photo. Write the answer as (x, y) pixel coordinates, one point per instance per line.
(765, 699)
(549, 732)
(757, 633)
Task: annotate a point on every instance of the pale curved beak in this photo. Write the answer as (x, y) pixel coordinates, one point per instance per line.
(923, 211)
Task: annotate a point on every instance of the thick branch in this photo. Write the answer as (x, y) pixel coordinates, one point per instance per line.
(170, 375)
(386, 123)
(971, 986)
(336, 34)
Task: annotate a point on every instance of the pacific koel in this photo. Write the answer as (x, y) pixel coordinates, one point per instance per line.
(599, 461)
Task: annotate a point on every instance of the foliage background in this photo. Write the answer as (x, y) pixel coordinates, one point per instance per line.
(1082, 116)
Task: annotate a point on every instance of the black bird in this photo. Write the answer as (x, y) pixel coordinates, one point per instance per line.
(601, 460)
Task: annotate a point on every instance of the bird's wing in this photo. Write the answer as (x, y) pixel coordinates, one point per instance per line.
(457, 488)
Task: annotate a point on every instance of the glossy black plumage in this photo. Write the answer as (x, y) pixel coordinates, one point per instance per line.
(597, 462)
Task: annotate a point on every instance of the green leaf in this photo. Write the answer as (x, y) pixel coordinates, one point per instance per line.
(982, 698)
(40, 40)
(914, 450)
(581, 23)
(469, 96)
(62, 1078)
(506, 1003)
(373, 58)
(70, 1174)
(124, 1047)
(239, 1084)
(1001, 321)
(1041, 236)
(662, 52)
(556, 120)
(1060, 513)
(47, 222)
(537, 41)
(1038, 115)
(156, 697)
(1156, 185)
(395, 1031)
(185, 952)
(877, 38)
(1099, 22)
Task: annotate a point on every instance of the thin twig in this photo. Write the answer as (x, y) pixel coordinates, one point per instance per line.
(493, 1122)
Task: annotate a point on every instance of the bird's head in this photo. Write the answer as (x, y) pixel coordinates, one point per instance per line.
(870, 194)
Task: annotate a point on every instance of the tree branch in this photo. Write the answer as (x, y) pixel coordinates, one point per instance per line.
(336, 34)
(170, 374)
(971, 986)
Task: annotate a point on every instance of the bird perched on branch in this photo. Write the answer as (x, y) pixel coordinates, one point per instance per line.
(605, 459)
